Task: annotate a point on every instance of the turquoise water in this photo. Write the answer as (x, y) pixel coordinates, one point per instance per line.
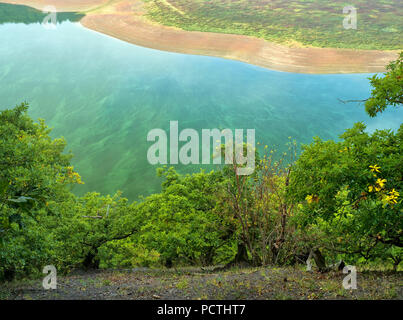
(104, 95)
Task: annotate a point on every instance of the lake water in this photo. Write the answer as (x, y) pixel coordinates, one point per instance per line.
(104, 95)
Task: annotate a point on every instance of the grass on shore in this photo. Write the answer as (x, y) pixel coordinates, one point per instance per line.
(317, 23)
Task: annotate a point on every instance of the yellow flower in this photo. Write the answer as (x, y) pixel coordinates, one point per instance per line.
(394, 193)
(390, 200)
(309, 198)
(371, 188)
(375, 168)
(380, 183)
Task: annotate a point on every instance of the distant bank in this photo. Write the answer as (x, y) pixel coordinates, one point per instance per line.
(125, 20)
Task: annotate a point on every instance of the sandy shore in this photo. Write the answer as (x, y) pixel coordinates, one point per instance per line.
(125, 20)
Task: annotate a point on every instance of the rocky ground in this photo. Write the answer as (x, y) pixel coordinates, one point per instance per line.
(197, 283)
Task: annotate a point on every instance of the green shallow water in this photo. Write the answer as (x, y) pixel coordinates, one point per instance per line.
(104, 95)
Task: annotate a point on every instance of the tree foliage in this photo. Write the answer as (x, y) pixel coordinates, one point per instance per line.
(352, 191)
(387, 90)
(180, 222)
(86, 224)
(33, 171)
(341, 197)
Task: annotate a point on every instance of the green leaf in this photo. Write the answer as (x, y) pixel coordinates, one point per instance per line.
(3, 186)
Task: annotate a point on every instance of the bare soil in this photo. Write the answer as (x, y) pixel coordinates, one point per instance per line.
(196, 283)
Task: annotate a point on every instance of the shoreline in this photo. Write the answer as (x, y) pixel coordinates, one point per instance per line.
(125, 20)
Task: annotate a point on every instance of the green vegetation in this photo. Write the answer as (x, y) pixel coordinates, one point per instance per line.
(351, 189)
(10, 13)
(339, 200)
(34, 171)
(316, 23)
(387, 90)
